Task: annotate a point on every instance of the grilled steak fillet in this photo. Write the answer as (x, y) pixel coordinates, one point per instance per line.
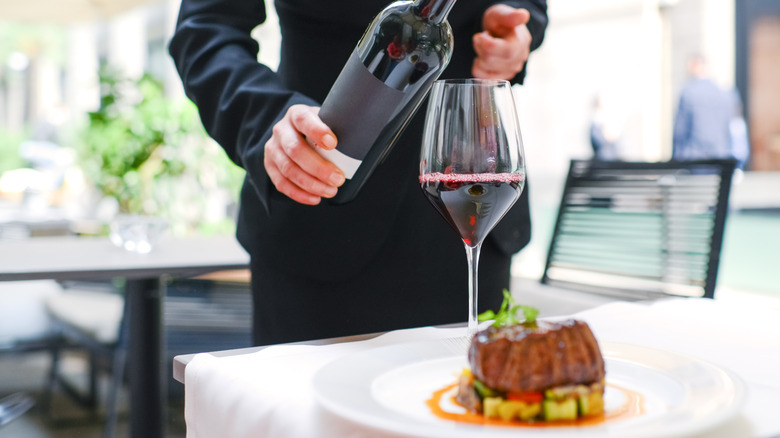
(532, 357)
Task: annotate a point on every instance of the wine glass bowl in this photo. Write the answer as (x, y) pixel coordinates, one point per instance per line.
(472, 166)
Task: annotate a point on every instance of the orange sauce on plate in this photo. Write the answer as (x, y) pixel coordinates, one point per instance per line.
(632, 406)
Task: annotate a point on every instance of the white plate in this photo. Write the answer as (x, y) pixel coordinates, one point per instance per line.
(386, 388)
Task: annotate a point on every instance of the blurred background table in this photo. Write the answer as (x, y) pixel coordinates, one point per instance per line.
(80, 258)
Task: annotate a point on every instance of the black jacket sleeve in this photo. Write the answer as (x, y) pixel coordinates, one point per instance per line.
(238, 99)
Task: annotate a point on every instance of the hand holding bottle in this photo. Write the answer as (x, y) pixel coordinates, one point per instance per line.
(299, 156)
(504, 44)
(291, 161)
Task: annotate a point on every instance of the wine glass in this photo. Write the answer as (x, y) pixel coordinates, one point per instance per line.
(472, 167)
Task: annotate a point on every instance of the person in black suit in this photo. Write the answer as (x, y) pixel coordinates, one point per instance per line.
(385, 260)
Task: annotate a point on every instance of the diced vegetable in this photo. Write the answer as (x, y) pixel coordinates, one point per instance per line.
(508, 410)
(526, 397)
(560, 403)
(591, 404)
(467, 395)
(483, 390)
(527, 411)
(560, 409)
(490, 406)
(562, 392)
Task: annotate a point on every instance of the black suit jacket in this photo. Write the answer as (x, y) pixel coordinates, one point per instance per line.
(387, 248)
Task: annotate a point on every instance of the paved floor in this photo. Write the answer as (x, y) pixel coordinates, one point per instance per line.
(27, 372)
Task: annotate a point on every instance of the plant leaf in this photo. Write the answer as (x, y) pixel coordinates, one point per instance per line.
(508, 313)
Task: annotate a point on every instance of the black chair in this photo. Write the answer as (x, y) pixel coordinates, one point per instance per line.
(198, 315)
(24, 328)
(88, 317)
(640, 229)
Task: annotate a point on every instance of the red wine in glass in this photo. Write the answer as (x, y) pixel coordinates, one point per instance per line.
(472, 203)
(472, 166)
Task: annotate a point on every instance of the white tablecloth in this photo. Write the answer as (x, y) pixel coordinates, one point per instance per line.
(269, 393)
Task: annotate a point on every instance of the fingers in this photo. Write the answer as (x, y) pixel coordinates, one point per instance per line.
(501, 20)
(292, 163)
(500, 58)
(286, 186)
(504, 45)
(494, 60)
(305, 120)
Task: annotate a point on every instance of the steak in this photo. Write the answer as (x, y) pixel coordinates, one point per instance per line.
(532, 357)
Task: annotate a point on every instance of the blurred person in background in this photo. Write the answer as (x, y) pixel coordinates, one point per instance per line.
(740, 140)
(605, 129)
(385, 260)
(707, 117)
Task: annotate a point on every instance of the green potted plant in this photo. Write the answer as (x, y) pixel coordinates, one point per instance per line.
(152, 156)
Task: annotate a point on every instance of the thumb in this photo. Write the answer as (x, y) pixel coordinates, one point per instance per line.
(501, 20)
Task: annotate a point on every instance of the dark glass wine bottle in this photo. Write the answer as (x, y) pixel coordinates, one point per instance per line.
(401, 54)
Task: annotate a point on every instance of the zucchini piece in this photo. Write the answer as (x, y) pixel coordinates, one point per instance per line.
(529, 411)
(591, 404)
(557, 393)
(563, 392)
(560, 410)
(483, 390)
(508, 410)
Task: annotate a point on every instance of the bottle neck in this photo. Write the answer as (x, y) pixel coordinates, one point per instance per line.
(435, 11)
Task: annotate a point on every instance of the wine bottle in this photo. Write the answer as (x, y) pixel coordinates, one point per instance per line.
(391, 70)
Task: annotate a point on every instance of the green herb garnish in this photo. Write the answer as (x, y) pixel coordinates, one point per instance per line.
(507, 314)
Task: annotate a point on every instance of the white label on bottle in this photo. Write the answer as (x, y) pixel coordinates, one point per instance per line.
(347, 164)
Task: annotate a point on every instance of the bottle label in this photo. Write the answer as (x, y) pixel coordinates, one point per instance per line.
(357, 108)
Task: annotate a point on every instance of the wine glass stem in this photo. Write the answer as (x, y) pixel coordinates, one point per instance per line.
(472, 256)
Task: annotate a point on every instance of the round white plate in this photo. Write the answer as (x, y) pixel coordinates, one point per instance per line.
(386, 388)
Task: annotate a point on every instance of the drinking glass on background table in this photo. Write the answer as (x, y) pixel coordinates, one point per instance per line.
(472, 167)
(137, 233)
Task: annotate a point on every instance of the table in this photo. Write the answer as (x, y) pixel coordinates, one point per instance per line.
(83, 258)
(549, 300)
(17, 222)
(240, 393)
